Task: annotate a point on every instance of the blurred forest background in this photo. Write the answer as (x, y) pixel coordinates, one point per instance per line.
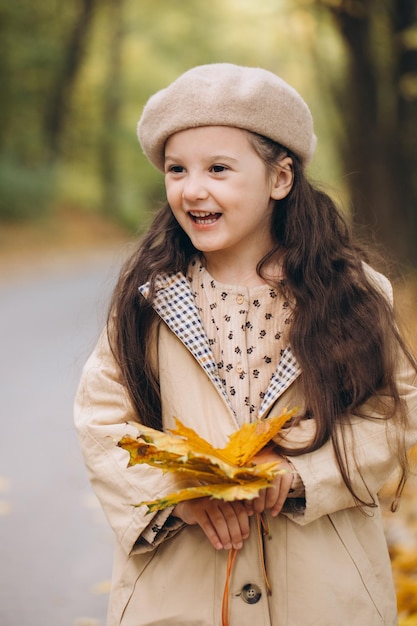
(74, 77)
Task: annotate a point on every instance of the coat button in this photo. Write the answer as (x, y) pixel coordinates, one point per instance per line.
(240, 299)
(251, 594)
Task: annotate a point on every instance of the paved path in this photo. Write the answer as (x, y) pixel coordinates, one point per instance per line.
(55, 545)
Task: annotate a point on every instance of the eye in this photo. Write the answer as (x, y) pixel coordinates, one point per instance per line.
(218, 169)
(175, 169)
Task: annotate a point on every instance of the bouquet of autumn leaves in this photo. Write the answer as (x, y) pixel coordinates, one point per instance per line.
(223, 473)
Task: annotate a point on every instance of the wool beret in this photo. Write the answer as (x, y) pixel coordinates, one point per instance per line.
(223, 94)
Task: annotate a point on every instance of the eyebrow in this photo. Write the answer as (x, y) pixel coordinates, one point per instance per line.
(215, 157)
(224, 157)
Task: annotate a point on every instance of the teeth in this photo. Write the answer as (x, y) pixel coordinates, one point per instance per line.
(205, 221)
(201, 214)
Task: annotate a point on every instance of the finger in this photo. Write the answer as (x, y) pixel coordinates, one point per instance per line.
(272, 495)
(211, 533)
(229, 530)
(236, 520)
(242, 518)
(259, 502)
(196, 512)
(248, 504)
(224, 523)
(282, 494)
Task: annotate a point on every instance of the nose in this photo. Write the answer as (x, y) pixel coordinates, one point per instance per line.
(194, 188)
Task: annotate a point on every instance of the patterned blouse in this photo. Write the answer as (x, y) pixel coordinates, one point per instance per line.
(247, 329)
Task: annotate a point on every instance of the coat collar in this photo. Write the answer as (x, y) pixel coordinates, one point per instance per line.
(174, 302)
(175, 305)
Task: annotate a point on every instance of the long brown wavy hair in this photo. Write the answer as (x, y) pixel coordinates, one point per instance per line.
(343, 332)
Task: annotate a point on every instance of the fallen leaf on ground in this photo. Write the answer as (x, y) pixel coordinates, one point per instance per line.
(102, 587)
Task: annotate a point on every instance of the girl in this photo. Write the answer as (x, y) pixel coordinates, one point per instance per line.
(248, 295)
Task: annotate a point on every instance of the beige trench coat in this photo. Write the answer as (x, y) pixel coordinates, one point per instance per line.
(327, 565)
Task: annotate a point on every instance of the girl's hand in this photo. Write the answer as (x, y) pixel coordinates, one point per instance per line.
(225, 524)
(272, 498)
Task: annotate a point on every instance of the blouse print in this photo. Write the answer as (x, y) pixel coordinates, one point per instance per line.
(247, 329)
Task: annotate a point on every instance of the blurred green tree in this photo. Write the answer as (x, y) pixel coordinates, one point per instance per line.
(71, 53)
(112, 94)
(41, 50)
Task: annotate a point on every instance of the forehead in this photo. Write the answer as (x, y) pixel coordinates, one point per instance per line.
(208, 138)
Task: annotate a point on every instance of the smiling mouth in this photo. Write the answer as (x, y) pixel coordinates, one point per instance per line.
(204, 218)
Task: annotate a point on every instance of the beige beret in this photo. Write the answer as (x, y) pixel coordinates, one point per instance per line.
(223, 94)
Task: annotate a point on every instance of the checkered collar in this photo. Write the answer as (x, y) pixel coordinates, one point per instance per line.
(174, 302)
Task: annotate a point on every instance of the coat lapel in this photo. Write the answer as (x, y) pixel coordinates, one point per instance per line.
(175, 304)
(287, 371)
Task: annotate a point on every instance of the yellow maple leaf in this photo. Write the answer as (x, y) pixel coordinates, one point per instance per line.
(224, 473)
(410, 620)
(245, 491)
(251, 438)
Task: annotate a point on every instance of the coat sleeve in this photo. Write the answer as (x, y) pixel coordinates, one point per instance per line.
(102, 410)
(372, 448)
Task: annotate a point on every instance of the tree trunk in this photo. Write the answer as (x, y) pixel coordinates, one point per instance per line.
(57, 107)
(111, 111)
(377, 157)
(405, 18)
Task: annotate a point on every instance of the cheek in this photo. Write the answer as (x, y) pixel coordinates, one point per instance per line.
(172, 193)
(173, 196)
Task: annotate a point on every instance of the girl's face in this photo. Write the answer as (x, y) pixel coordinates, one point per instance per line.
(221, 192)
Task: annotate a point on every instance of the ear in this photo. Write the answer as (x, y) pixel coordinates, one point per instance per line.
(282, 179)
